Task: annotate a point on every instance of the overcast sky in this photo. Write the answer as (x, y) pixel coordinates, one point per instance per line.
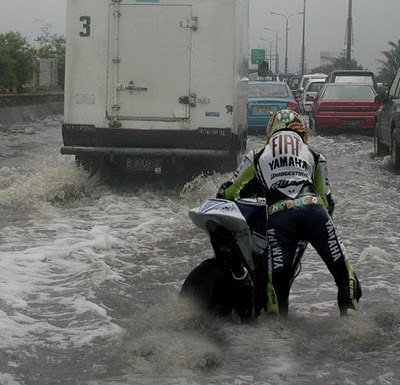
(375, 23)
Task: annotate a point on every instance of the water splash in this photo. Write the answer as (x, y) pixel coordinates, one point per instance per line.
(53, 181)
(173, 337)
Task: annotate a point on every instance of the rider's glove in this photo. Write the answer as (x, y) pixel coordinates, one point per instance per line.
(331, 204)
(221, 190)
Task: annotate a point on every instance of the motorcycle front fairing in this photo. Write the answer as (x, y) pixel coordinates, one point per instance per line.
(236, 246)
(223, 219)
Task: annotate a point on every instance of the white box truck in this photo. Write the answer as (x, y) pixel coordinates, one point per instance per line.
(156, 84)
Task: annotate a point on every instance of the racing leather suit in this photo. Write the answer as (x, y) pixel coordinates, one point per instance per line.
(295, 186)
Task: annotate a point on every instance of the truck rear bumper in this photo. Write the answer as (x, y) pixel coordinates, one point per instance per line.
(123, 139)
(144, 152)
(152, 150)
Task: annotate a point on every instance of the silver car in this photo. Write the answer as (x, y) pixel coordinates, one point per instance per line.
(310, 90)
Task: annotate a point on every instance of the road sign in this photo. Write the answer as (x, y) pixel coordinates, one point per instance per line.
(257, 55)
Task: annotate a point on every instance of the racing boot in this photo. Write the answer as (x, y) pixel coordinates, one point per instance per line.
(349, 297)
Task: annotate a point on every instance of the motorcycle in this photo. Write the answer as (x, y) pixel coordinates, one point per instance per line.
(235, 279)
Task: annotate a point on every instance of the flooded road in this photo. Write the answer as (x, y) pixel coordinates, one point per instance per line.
(90, 275)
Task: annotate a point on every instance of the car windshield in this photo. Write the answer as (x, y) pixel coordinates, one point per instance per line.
(305, 82)
(315, 87)
(354, 79)
(353, 92)
(294, 83)
(268, 89)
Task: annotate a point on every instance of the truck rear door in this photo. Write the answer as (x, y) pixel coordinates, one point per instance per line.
(149, 61)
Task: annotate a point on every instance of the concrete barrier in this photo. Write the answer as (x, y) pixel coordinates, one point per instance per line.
(16, 108)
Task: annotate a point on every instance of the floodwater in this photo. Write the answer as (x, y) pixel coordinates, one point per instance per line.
(90, 275)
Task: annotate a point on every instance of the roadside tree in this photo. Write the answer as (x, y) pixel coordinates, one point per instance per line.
(390, 64)
(17, 62)
(339, 64)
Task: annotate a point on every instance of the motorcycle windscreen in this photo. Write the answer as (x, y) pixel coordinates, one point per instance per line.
(153, 45)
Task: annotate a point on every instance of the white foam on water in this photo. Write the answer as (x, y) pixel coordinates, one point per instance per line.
(88, 268)
(44, 283)
(53, 264)
(7, 379)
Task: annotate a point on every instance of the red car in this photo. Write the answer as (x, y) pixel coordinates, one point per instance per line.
(344, 106)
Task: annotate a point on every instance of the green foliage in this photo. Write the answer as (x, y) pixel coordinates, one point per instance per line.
(339, 64)
(8, 78)
(391, 64)
(51, 46)
(17, 62)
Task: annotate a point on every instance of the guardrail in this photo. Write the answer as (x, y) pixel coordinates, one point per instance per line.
(26, 107)
(12, 100)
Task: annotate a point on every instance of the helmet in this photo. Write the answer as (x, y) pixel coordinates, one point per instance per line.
(287, 120)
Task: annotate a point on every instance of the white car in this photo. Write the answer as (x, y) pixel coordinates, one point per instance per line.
(304, 81)
(307, 97)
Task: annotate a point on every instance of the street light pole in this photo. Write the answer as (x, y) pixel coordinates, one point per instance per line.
(287, 17)
(276, 54)
(270, 54)
(270, 51)
(303, 45)
(276, 47)
(286, 44)
(349, 32)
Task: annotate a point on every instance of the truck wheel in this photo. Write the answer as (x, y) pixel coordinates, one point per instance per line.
(91, 164)
(395, 155)
(310, 123)
(317, 128)
(243, 142)
(234, 160)
(379, 148)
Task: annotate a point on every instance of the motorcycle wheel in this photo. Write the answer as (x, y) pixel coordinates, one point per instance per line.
(210, 286)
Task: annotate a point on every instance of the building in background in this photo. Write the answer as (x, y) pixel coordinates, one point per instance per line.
(329, 57)
(47, 78)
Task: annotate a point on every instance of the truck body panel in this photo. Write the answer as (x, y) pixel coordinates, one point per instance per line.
(147, 74)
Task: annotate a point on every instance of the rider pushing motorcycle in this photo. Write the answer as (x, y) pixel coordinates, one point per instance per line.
(293, 180)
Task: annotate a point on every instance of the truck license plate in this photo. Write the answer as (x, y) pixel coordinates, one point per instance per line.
(143, 164)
